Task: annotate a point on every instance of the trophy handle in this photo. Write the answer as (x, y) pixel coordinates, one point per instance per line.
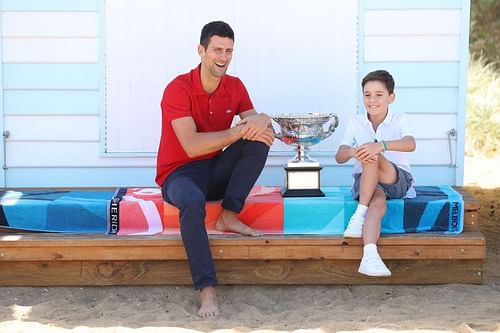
(332, 127)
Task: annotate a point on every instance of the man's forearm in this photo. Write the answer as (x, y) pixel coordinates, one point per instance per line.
(197, 143)
(203, 143)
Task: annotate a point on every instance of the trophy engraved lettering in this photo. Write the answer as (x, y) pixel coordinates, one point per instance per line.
(302, 173)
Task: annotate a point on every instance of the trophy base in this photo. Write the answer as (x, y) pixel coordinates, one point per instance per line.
(302, 181)
(301, 193)
(302, 164)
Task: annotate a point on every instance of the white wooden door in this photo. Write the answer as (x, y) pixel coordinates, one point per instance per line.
(294, 56)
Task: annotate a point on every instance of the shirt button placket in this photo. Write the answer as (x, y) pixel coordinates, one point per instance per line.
(210, 111)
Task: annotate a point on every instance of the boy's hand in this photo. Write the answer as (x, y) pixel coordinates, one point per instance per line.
(368, 153)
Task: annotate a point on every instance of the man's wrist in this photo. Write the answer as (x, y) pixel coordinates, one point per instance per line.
(269, 119)
(236, 132)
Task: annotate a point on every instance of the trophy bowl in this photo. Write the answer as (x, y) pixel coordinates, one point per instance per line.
(302, 173)
(304, 130)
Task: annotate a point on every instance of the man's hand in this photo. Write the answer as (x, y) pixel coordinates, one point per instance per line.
(267, 137)
(254, 127)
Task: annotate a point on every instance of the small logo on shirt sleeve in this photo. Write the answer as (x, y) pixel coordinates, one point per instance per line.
(229, 111)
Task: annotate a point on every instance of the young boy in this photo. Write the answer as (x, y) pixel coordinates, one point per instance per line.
(378, 141)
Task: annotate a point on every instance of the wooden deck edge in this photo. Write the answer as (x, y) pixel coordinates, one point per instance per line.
(470, 202)
(28, 239)
(45, 260)
(43, 247)
(161, 272)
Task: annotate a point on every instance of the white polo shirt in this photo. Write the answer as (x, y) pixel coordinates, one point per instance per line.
(359, 130)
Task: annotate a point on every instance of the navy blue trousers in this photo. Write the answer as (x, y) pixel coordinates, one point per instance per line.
(229, 176)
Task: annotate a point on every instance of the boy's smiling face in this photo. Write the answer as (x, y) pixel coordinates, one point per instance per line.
(377, 98)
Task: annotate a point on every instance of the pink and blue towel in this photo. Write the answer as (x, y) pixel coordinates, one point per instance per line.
(435, 209)
(141, 211)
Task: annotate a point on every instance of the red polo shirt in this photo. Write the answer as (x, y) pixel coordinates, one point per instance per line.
(185, 97)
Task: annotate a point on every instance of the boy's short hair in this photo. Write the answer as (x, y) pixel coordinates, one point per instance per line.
(215, 28)
(380, 75)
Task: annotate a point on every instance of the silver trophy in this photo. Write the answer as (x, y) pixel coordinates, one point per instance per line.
(303, 130)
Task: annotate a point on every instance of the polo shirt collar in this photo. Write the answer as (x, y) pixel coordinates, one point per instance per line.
(388, 117)
(196, 80)
(387, 120)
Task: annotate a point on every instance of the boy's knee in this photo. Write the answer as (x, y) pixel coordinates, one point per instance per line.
(368, 165)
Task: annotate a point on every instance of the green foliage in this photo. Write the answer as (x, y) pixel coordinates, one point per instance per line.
(485, 30)
(483, 109)
(483, 100)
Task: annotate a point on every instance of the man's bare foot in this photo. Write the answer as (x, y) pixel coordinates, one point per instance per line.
(209, 308)
(228, 221)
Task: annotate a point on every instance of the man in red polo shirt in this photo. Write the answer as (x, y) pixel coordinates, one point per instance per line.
(192, 167)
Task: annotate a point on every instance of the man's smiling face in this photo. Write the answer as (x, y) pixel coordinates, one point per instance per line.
(217, 56)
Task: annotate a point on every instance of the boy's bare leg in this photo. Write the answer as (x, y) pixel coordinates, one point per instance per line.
(382, 171)
(209, 306)
(228, 221)
(374, 215)
(387, 172)
(368, 182)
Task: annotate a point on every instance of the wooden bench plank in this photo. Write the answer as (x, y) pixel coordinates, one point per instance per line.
(232, 252)
(56, 273)
(63, 247)
(22, 239)
(470, 202)
(471, 220)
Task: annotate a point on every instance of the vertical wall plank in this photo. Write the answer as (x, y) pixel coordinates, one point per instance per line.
(462, 91)
(2, 148)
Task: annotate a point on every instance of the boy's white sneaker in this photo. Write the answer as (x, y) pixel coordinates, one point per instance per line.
(355, 227)
(372, 265)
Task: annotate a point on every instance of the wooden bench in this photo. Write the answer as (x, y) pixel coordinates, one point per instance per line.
(44, 259)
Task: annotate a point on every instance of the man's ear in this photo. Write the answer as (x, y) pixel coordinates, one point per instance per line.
(201, 50)
(392, 97)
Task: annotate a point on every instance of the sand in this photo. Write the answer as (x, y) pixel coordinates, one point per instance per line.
(434, 308)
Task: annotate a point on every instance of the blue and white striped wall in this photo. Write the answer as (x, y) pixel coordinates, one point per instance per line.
(53, 96)
(425, 45)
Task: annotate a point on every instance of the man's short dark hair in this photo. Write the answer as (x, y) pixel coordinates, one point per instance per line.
(380, 75)
(215, 28)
